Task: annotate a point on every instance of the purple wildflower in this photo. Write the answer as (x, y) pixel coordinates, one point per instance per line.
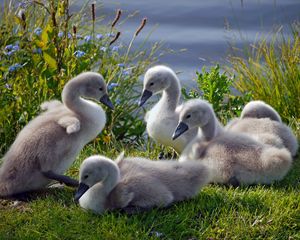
(60, 34)
(103, 49)
(121, 65)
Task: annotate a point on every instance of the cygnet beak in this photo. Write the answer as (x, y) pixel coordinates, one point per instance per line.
(106, 101)
(181, 128)
(145, 96)
(80, 191)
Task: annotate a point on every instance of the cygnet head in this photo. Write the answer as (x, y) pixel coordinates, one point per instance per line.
(88, 85)
(93, 170)
(156, 80)
(194, 113)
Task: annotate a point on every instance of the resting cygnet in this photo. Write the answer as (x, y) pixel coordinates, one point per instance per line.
(233, 158)
(163, 117)
(48, 145)
(259, 109)
(260, 121)
(137, 183)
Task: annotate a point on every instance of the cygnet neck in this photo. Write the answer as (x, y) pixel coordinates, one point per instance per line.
(171, 94)
(212, 129)
(71, 97)
(112, 179)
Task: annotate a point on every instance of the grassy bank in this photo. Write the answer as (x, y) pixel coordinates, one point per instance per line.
(218, 212)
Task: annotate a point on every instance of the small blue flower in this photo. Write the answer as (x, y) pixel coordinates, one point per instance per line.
(9, 47)
(37, 50)
(121, 65)
(78, 36)
(16, 48)
(79, 54)
(9, 53)
(115, 48)
(14, 67)
(60, 34)
(7, 86)
(112, 85)
(110, 35)
(88, 38)
(103, 49)
(69, 35)
(38, 31)
(118, 101)
(22, 5)
(99, 36)
(125, 72)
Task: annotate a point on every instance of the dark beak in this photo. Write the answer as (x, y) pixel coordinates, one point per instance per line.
(181, 128)
(80, 191)
(145, 96)
(106, 101)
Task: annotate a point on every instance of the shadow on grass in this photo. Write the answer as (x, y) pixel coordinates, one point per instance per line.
(55, 194)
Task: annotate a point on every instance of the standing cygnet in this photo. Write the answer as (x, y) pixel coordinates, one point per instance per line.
(259, 109)
(260, 121)
(232, 157)
(137, 183)
(163, 117)
(48, 145)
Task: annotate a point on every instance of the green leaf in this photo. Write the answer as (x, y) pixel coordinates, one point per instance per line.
(50, 60)
(45, 34)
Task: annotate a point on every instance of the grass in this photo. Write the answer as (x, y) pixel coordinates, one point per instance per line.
(218, 212)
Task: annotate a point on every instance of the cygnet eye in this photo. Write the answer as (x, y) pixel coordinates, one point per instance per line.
(85, 176)
(151, 84)
(188, 116)
(101, 89)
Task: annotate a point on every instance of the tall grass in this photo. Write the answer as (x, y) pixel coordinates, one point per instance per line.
(270, 70)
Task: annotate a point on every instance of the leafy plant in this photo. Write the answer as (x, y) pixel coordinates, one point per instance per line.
(216, 88)
(43, 46)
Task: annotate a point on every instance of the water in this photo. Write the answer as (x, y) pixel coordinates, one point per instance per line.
(199, 26)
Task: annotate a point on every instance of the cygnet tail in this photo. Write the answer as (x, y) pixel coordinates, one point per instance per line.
(4, 190)
(275, 163)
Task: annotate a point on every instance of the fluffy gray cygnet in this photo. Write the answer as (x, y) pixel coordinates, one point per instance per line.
(260, 121)
(47, 146)
(137, 183)
(233, 158)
